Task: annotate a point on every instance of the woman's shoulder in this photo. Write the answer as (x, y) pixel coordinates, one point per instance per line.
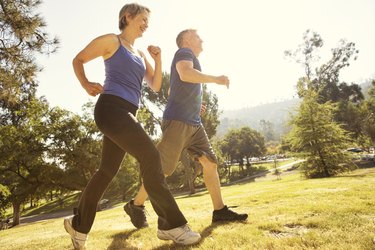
(108, 37)
(109, 42)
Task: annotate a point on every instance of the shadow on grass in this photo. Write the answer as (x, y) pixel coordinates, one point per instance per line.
(197, 194)
(120, 241)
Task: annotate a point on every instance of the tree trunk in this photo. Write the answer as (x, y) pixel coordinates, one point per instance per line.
(229, 173)
(191, 186)
(16, 213)
(187, 165)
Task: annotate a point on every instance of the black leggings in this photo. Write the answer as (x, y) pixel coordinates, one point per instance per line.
(115, 118)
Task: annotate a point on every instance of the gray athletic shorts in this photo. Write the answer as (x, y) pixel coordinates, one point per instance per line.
(178, 136)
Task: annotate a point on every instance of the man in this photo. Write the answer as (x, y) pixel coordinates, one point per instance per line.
(182, 128)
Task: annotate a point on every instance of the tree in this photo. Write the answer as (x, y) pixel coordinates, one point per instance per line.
(368, 110)
(229, 145)
(324, 78)
(267, 130)
(240, 144)
(22, 36)
(153, 104)
(22, 132)
(318, 138)
(251, 144)
(210, 118)
(24, 164)
(4, 200)
(75, 146)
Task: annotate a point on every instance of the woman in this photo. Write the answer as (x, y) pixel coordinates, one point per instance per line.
(115, 112)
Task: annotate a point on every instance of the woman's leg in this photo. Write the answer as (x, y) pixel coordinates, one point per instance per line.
(121, 127)
(112, 156)
(138, 144)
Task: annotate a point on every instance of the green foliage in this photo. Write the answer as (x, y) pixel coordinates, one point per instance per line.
(242, 143)
(229, 145)
(210, 118)
(316, 136)
(25, 166)
(126, 182)
(153, 104)
(4, 200)
(369, 111)
(22, 35)
(324, 79)
(267, 130)
(75, 146)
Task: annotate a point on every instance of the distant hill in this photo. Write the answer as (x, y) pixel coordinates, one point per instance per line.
(278, 113)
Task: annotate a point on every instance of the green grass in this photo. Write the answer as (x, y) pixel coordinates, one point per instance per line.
(291, 213)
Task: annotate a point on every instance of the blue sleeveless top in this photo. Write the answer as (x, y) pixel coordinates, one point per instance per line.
(124, 73)
(185, 99)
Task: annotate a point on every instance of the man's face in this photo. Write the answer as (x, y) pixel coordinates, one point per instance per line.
(194, 41)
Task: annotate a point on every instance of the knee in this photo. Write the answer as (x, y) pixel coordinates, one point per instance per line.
(150, 162)
(168, 172)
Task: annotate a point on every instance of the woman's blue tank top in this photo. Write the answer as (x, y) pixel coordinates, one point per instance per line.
(124, 73)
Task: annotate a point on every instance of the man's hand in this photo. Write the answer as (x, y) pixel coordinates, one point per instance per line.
(203, 108)
(223, 80)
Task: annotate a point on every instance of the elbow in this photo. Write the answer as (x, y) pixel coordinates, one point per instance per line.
(76, 61)
(184, 78)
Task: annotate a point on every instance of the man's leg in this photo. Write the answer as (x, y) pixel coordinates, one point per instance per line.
(212, 181)
(170, 148)
(141, 196)
(200, 148)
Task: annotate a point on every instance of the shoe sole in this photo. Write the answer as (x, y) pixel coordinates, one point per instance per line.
(224, 220)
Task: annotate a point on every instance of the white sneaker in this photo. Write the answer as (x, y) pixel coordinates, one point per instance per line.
(78, 239)
(181, 235)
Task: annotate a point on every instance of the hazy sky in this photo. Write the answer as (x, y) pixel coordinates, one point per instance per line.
(243, 39)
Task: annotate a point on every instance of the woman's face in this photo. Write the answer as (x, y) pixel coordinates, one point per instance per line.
(139, 23)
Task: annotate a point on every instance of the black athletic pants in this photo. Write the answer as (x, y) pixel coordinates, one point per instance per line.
(115, 118)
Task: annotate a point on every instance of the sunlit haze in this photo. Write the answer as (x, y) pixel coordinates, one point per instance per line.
(244, 40)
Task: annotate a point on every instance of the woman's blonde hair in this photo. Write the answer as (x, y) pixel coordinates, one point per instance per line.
(133, 9)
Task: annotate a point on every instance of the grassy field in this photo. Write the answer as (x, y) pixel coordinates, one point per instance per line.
(291, 213)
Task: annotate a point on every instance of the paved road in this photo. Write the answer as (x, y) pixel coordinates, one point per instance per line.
(264, 173)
